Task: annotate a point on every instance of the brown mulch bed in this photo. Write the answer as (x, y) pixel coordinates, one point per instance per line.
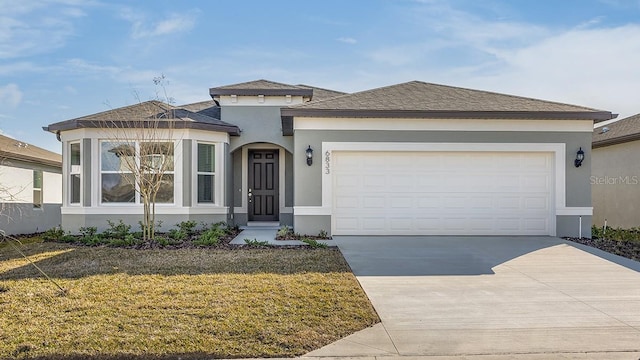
(626, 248)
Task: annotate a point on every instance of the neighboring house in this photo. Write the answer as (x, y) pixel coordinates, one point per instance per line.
(30, 187)
(615, 170)
(412, 158)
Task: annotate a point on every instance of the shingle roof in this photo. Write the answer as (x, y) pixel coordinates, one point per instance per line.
(420, 99)
(260, 87)
(209, 108)
(624, 130)
(320, 94)
(143, 113)
(12, 149)
(258, 84)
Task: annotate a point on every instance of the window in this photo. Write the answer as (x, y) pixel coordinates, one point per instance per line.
(118, 183)
(122, 161)
(37, 189)
(157, 165)
(74, 173)
(206, 173)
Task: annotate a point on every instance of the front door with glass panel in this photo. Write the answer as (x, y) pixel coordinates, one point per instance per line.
(263, 185)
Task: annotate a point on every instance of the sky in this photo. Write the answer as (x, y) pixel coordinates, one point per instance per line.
(61, 59)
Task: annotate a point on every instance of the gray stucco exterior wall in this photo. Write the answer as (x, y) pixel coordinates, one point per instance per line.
(616, 185)
(24, 219)
(258, 124)
(578, 187)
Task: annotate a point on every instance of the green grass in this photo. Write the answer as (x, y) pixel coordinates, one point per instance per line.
(619, 234)
(188, 303)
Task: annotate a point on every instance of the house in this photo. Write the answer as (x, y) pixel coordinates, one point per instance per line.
(30, 187)
(412, 158)
(615, 173)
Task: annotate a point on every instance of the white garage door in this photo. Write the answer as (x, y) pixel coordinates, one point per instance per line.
(442, 193)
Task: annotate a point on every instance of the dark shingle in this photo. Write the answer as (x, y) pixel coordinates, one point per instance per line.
(261, 87)
(12, 149)
(421, 96)
(624, 130)
(143, 113)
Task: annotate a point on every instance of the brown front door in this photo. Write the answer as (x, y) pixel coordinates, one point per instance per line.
(263, 185)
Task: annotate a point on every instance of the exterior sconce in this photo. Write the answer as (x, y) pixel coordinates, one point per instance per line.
(309, 154)
(579, 158)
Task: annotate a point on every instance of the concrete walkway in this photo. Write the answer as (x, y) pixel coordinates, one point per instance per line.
(267, 233)
(492, 298)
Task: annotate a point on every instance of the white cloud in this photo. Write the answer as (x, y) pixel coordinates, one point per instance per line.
(589, 64)
(172, 24)
(347, 40)
(36, 27)
(10, 95)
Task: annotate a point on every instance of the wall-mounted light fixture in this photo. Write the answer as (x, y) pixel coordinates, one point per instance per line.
(579, 158)
(309, 154)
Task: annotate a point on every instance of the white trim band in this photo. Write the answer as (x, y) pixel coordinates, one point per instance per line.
(574, 211)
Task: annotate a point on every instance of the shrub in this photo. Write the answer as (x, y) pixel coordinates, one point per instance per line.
(284, 231)
(619, 234)
(88, 236)
(178, 234)
(314, 243)
(323, 234)
(209, 237)
(212, 236)
(88, 231)
(256, 243)
(128, 240)
(117, 230)
(54, 234)
(188, 227)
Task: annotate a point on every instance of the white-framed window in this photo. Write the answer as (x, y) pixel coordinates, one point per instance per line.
(116, 177)
(206, 173)
(75, 173)
(157, 163)
(120, 162)
(37, 189)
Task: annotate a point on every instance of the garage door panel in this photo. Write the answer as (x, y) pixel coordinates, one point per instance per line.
(442, 193)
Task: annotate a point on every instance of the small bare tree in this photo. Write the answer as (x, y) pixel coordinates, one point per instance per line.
(140, 149)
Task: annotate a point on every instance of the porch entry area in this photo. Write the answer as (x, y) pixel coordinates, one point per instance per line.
(263, 185)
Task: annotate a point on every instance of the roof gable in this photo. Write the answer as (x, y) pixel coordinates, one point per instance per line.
(260, 87)
(621, 131)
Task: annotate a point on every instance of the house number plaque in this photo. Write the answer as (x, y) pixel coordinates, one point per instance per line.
(327, 162)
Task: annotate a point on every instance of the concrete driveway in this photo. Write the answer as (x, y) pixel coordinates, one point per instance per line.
(499, 296)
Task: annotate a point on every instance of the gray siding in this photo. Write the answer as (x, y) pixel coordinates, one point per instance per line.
(24, 219)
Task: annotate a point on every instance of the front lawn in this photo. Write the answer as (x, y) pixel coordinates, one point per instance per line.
(184, 303)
